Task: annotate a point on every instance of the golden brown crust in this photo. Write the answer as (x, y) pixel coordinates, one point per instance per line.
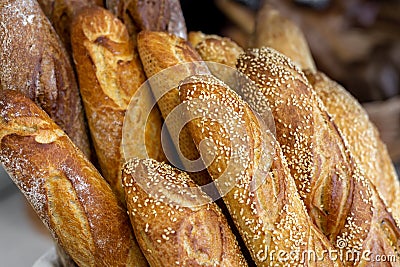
(159, 51)
(66, 191)
(33, 61)
(169, 233)
(340, 199)
(109, 72)
(361, 136)
(154, 46)
(271, 217)
(275, 31)
(352, 121)
(153, 15)
(61, 12)
(215, 48)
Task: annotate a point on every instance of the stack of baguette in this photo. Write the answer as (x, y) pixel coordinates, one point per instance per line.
(66, 82)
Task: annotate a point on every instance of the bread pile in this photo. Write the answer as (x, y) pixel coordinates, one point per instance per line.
(330, 189)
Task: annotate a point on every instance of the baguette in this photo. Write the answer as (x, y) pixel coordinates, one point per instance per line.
(34, 62)
(271, 217)
(161, 15)
(215, 48)
(339, 198)
(61, 12)
(159, 51)
(174, 228)
(362, 138)
(66, 191)
(275, 31)
(110, 72)
(351, 119)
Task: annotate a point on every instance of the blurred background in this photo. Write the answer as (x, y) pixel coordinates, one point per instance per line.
(355, 42)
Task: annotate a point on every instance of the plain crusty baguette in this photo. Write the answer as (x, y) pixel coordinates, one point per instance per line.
(159, 51)
(154, 15)
(271, 217)
(34, 62)
(66, 191)
(362, 138)
(174, 228)
(61, 12)
(215, 48)
(340, 199)
(275, 31)
(110, 72)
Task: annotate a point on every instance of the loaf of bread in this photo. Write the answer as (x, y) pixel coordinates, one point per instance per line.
(340, 199)
(153, 15)
(66, 191)
(159, 51)
(362, 138)
(361, 135)
(275, 31)
(110, 72)
(34, 62)
(270, 216)
(175, 227)
(215, 48)
(61, 12)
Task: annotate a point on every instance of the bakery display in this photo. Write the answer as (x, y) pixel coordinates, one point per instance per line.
(286, 170)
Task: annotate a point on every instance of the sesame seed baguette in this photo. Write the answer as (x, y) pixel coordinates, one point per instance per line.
(169, 233)
(215, 48)
(110, 72)
(160, 15)
(61, 12)
(271, 218)
(341, 201)
(68, 194)
(159, 51)
(362, 137)
(33, 61)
